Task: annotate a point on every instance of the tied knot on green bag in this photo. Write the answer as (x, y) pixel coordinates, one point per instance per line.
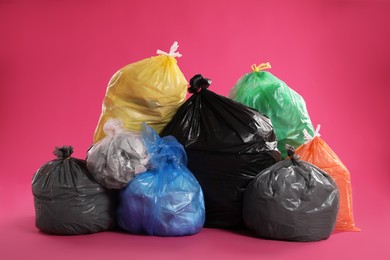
(261, 67)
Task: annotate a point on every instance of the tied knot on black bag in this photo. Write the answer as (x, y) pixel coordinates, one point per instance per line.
(197, 83)
(291, 152)
(295, 161)
(63, 152)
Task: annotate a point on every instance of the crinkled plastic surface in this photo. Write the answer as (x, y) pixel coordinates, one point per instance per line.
(317, 152)
(285, 107)
(150, 90)
(118, 157)
(227, 144)
(291, 200)
(166, 200)
(67, 200)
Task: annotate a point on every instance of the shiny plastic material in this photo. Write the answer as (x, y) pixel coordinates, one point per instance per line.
(285, 107)
(166, 200)
(227, 144)
(291, 200)
(116, 158)
(150, 90)
(68, 201)
(317, 152)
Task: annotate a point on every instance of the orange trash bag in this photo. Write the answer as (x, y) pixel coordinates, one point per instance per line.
(150, 91)
(317, 152)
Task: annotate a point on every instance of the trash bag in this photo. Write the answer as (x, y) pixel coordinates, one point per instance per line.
(291, 200)
(285, 107)
(166, 200)
(67, 200)
(118, 157)
(316, 151)
(227, 144)
(150, 90)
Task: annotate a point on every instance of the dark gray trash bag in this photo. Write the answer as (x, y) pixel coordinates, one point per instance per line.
(67, 200)
(291, 200)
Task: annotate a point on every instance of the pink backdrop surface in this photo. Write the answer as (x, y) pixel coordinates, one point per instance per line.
(56, 58)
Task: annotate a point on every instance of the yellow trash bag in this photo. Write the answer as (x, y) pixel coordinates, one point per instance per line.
(317, 152)
(150, 90)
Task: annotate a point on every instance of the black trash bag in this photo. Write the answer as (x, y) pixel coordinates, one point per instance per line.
(67, 200)
(292, 200)
(227, 144)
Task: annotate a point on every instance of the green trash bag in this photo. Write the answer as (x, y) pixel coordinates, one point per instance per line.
(286, 108)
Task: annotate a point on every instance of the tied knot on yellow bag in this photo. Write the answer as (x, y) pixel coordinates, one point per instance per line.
(172, 51)
(150, 90)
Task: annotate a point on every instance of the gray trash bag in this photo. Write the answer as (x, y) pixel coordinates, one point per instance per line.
(67, 199)
(292, 200)
(118, 157)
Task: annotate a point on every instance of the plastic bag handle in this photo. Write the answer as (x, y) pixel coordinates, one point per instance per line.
(172, 51)
(262, 66)
(308, 137)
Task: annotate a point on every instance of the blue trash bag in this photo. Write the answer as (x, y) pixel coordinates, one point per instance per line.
(166, 200)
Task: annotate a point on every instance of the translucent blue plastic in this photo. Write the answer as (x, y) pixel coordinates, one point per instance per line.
(166, 200)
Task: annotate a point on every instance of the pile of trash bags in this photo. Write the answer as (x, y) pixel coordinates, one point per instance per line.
(164, 165)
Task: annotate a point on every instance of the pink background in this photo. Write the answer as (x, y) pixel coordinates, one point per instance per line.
(56, 58)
